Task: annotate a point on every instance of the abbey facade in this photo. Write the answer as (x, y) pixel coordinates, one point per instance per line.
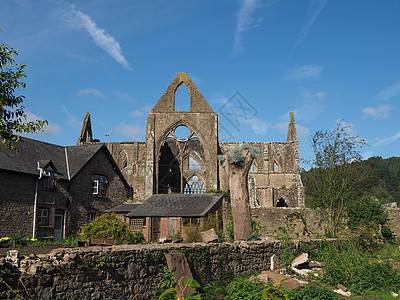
(180, 155)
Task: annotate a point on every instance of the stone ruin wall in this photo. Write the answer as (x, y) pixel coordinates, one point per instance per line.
(131, 160)
(269, 183)
(272, 218)
(129, 271)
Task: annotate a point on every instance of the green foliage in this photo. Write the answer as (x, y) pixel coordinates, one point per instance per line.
(256, 227)
(368, 212)
(172, 293)
(349, 264)
(387, 233)
(167, 283)
(336, 179)
(386, 177)
(12, 116)
(312, 292)
(109, 226)
(71, 240)
(193, 234)
(241, 288)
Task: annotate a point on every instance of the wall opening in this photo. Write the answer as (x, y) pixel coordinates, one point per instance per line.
(281, 203)
(193, 164)
(195, 185)
(169, 172)
(182, 98)
(182, 132)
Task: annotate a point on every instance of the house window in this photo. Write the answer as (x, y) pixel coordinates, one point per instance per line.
(99, 185)
(190, 222)
(49, 181)
(43, 217)
(137, 224)
(91, 216)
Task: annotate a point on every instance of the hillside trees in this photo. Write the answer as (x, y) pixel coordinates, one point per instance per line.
(336, 179)
(12, 115)
(237, 163)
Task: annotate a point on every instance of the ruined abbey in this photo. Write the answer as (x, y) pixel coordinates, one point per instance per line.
(168, 162)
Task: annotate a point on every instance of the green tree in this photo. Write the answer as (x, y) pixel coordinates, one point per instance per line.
(12, 116)
(337, 179)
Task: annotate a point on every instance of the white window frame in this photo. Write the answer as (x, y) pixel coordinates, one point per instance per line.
(49, 181)
(99, 185)
(43, 215)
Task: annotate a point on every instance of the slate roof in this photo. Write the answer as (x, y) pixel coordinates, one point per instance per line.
(177, 205)
(124, 207)
(31, 152)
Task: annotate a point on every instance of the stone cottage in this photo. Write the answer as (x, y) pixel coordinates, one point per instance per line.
(48, 191)
(181, 149)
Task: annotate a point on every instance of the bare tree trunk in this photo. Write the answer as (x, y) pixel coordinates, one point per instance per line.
(238, 174)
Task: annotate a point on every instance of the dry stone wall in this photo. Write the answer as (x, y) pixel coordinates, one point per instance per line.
(127, 271)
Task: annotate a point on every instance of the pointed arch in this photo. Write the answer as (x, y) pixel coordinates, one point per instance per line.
(194, 185)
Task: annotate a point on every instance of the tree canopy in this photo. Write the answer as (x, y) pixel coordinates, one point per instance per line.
(12, 116)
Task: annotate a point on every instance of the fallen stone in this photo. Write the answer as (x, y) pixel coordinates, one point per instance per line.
(209, 236)
(32, 256)
(2, 261)
(179, 266)
(343, 293)
(300, 259)
(13, 257)
(284, 281)
(274, 262)
(343, 288)
(303, 272)
(395, 295)
(315, 264)
(69, 257)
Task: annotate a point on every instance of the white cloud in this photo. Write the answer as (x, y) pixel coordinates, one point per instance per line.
(389, 92)
(381, 112)
(136, 113)
(244, 22)
(315, 7)
(91, 91)
(388, 140)
(258, 126)
(133, 132)
(102, 39)
(50, 130)
(303, 72)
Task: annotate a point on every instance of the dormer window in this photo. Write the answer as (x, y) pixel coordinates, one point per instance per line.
(99, 185)
(49, 181)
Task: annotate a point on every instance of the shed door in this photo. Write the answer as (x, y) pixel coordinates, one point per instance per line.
(155, 229)
(172, 226)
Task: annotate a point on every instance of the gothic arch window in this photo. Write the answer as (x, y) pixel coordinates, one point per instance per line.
(195, 185)
(182, 98)
(123, 159)
(276, 166)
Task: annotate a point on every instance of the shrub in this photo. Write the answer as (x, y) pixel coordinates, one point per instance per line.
(349, 265)
(311, 292)
(109, 226)
(241, 288)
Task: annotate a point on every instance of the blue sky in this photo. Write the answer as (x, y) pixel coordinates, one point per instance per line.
(325, 60)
